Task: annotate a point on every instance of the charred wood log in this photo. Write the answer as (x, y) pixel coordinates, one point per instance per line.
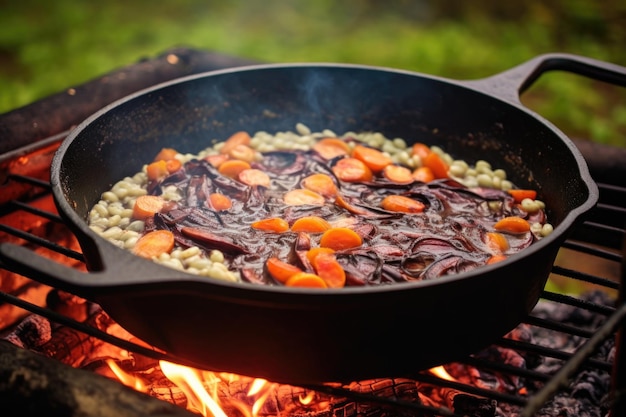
(36, 385)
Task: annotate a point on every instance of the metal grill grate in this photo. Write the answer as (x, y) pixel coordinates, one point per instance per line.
(600, 239)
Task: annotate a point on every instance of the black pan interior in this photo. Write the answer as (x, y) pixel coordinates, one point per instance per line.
(191, 115)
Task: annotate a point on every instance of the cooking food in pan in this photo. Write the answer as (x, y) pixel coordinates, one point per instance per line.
(319, 210)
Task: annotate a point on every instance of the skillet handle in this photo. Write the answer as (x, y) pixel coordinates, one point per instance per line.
(115, 278)
(46, 271)
(510, 84)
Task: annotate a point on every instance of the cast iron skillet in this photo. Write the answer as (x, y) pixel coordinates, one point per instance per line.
(305, 335)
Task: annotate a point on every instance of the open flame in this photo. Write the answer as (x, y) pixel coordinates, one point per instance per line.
(441, 372)
(189, 380)
(201, 388)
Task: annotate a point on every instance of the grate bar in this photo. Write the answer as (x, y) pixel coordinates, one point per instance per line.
(29, 237)
(578, 303)
(36, 211)
(581, 276)
(550, 352)
(562, 377)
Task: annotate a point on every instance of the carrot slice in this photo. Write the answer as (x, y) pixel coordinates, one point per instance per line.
(237, 138)
(232, 167)
(306, 279)
(147, 206)
(436, 164)
(320, 183)
(312, 253)
(519, 195)
(166, 154)
(352, 170)
(253, 176)
(331, 271)
(303, 196)
(495, 258)
(330, 148)
(398, 174)
(420, 149)
(279, 270)
(373, 158)
(242, 152)
(512, 224)
(273, 224)
(157, 170)
(402, 204)
(310, 224)
(173, 165)
(340, 238)
(220, 202)
(423, 174)
(216, 160)
(497, 242)
(154, 244)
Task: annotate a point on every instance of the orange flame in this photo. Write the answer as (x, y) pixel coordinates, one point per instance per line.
(190, 382)
(441, 372)
(125, 378)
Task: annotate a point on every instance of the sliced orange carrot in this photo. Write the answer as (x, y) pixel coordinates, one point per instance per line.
(216, 160)
(310, 224)
(495, 258)
(420, 149)
(497, 242)
(166, 154)
(220, 202)
(232, 167)
(157, 170)
(312, 253)
(306, 279)
(243, 153)
(436, 164)
(320, 183)
(512, 224)
(147, 206)
(279, 270)
(237, 138)
(402, 204)
(173, 165)
(253, 176)
(272, 224)
(423, 174)
(302, 196)
(519, 195)
(340, 238)
(398, 174)
(330, 148)
(327, 268)
(352, 170)
(373, 158)
(154, 244)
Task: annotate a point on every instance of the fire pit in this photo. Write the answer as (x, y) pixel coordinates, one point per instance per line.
(563, 358)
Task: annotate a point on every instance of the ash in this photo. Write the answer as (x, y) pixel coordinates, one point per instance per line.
(587, 394)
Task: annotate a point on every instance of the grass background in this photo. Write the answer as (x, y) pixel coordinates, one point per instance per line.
(46, 47)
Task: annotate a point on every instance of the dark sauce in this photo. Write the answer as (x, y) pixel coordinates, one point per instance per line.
(447, 238)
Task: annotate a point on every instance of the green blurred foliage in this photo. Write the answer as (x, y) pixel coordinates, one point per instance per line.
(46, 47)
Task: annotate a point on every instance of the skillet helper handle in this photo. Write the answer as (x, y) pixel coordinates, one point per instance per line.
(24, 261)
(510, 84)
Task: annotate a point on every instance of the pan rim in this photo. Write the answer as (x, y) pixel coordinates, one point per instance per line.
(558, 235)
